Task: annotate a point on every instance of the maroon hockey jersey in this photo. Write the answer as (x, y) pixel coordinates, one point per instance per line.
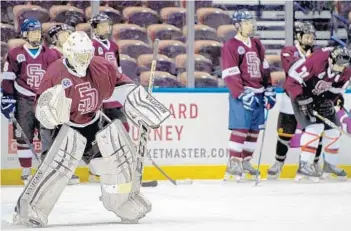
(243, 65)
(87, 93)
(317, 77)
(23, 71)
(289, 55)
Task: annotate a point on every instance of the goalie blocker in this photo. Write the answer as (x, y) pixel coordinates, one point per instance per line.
(109, 151)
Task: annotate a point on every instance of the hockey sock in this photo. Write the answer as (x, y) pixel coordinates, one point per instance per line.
(282, 148)
(25, 157)
(236, 142)
(250, 144)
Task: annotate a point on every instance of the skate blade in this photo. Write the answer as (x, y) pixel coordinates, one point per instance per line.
(272, 177)
(301, 178)
(326, 176)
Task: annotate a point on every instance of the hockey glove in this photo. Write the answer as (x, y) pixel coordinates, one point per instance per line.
(249, 99)
(269, 97)
(8, 105)
(305, 105)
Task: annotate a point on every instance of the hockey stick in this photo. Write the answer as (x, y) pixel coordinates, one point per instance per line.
(261, 149)
(14, 120)
(330, 123)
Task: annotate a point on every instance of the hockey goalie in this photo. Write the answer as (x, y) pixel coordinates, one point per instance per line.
(69, 100)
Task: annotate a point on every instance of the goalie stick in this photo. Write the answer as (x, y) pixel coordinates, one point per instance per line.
(257, 180)
(330, 123)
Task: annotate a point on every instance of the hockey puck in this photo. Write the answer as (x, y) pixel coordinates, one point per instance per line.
(149, 183)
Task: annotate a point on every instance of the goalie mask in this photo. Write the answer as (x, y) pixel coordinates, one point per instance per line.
(101, 25)
(305, 34)
(79, 50)
(31, 31)
(244, 22)
(339, 59)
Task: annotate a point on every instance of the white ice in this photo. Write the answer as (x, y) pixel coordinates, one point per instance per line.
(206, 205)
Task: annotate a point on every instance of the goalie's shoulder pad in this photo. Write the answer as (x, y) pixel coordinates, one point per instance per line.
(53, 107)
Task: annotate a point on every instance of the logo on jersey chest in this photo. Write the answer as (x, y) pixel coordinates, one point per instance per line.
(21, 58)
(88, 97)
(110, 56)
(66, 83)
(321, 87)
(35, 74)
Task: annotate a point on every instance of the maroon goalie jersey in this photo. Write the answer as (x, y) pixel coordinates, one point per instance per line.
(289, 56)
(243, 65)
(317, 77)
(23, 71)
(87, 93)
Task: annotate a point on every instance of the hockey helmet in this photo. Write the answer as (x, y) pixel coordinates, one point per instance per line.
(55, 31)
(102, 25)
(246, 22)
(304, 28)
(78, 50)
(241, 15)
(340, 56)
(31, 31)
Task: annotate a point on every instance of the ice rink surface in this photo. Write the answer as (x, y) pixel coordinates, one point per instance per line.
(205, 205)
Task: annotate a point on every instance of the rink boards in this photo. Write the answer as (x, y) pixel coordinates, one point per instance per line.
(192, 143)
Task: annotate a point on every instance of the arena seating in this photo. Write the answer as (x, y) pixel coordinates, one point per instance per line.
(136, 24)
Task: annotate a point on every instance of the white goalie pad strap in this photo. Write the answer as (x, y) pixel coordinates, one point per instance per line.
(52, 176)
(142, 108)
(53, 107)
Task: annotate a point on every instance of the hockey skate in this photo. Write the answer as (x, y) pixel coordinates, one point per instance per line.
(234, 170)
(318, 169)
(93, 178)
(329, 170)
(247, 167)
(275, 170)
(26, 174)
(74, 180)
(306, 171)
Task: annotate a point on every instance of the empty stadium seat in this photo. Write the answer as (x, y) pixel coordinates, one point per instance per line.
(198, 3)
(202, 63)
(278, 78)
(79, 4)
(129, 67)
(141, 16)
(203, 32)
(161, 79)
(13, 43)
(133, 48)
(7, 32)
(84, 27)
(159, 5)
(120, 4)
(114, 15)
(129, 31)
(226, 32)
(213, 17)
(163, 63)
(70, 15)
(210, 49)
(22, 12)
(274, 62)
(165, 32)
(202, 80)
(175, 16)
(171, 48)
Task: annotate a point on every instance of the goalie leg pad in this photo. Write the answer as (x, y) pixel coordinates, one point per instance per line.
(142, 108)
(331, 144)
(42, 192)
(117, 172)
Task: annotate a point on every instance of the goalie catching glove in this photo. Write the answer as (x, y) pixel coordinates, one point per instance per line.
(53, 107)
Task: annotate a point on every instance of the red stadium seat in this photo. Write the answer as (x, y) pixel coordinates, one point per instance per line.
(133, 48)
(171, 48)
(22, 12)
(278, 78)
(7, 32)
(202, 63)
(175, 16)
(120, 4)
(159, 5)
(202, 80)
(129, 67)
(13, 43)
(163, 63)
(114, 15)
(84, 27)
(210, 49)
(161, 79)
(274, 62)
(213, 17)
(165, 32)
(70, 15)
(129, 32)
(202, 32)
(141, 16)
(226, 32)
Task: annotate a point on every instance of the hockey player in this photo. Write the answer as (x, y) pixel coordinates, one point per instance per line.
(70, 100)
(23, 71)
(287, 124)
(247, 75)
(314, 85)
